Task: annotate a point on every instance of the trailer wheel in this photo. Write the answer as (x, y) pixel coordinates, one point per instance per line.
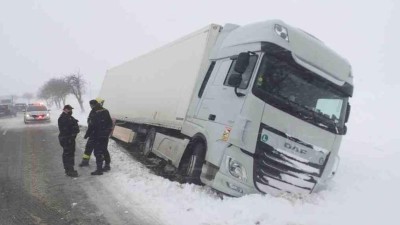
(148, 144)
(192, 164)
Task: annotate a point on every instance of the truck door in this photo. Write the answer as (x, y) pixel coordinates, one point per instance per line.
(219, 102)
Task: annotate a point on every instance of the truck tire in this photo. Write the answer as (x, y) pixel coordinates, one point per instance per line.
(148, 144)
(192, 164)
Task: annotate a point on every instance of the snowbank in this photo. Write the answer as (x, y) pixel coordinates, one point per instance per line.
(363, 192)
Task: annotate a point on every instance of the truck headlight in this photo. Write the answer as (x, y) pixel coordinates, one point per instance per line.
(27, 115)
(282, 32)
(236, 169)
(48, 114)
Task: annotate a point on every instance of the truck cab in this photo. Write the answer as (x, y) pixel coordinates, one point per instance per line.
(273, 108)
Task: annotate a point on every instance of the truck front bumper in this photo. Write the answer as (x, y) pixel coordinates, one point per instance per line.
(228, 184)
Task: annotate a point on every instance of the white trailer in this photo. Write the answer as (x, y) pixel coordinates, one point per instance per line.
(256, 108)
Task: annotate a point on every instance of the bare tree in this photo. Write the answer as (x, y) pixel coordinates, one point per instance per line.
(28, 96)
(45, 93)
(77, 87)
(55, 91)
(60, 89)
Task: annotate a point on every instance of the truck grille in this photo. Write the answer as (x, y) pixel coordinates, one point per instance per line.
(276, 171)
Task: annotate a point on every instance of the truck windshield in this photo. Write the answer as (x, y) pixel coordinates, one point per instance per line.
(300, 93)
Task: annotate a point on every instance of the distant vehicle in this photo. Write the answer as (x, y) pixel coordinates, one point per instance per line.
(36, 113)
(20, 107)
(7, 110)
(6, 100)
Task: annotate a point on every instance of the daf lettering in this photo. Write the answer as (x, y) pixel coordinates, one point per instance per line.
(295, 148)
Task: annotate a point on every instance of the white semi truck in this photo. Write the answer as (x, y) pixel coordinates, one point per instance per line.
(243, 109)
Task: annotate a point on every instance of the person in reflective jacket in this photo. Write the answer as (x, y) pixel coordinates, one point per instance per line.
(99, 129)
(68, 127)
(90, 144)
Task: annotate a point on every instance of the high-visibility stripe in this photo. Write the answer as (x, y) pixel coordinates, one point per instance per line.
(86, 156)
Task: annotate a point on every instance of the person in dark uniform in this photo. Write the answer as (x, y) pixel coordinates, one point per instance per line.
(100, 129)
(106, 153)
(69, 128)
(90, 144)
(91, 141)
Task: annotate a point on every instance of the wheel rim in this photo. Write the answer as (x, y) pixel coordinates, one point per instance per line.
(148, 145)
(192, 164)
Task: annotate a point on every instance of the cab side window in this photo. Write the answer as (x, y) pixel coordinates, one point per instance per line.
(206, 78)
(246, 76)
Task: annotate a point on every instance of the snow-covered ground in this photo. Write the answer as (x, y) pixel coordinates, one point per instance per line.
(364, 191)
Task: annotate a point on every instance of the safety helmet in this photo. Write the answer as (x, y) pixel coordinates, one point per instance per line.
(100, 101)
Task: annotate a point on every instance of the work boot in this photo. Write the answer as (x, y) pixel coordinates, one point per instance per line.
(85, 162)
(97, 172)
(71, 173)
(106, 168)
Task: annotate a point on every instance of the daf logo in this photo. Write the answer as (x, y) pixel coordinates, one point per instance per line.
(295, 148)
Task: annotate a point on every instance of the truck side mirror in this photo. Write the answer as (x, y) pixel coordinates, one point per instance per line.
(347, 113)
(235, 80)
(242, 62)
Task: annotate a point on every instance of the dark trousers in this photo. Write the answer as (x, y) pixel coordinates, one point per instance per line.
(100, 152)
(68, 156)
(106, 153)
(90, 146)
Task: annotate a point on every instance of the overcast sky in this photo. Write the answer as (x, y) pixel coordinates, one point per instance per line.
(49, 38)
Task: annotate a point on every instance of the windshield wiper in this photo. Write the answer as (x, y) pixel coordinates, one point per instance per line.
(309, 114)
(335, 126)
(300, 110)
(327, 122)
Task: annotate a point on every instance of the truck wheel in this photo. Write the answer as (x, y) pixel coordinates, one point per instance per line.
(148, 144)
(193, 163)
